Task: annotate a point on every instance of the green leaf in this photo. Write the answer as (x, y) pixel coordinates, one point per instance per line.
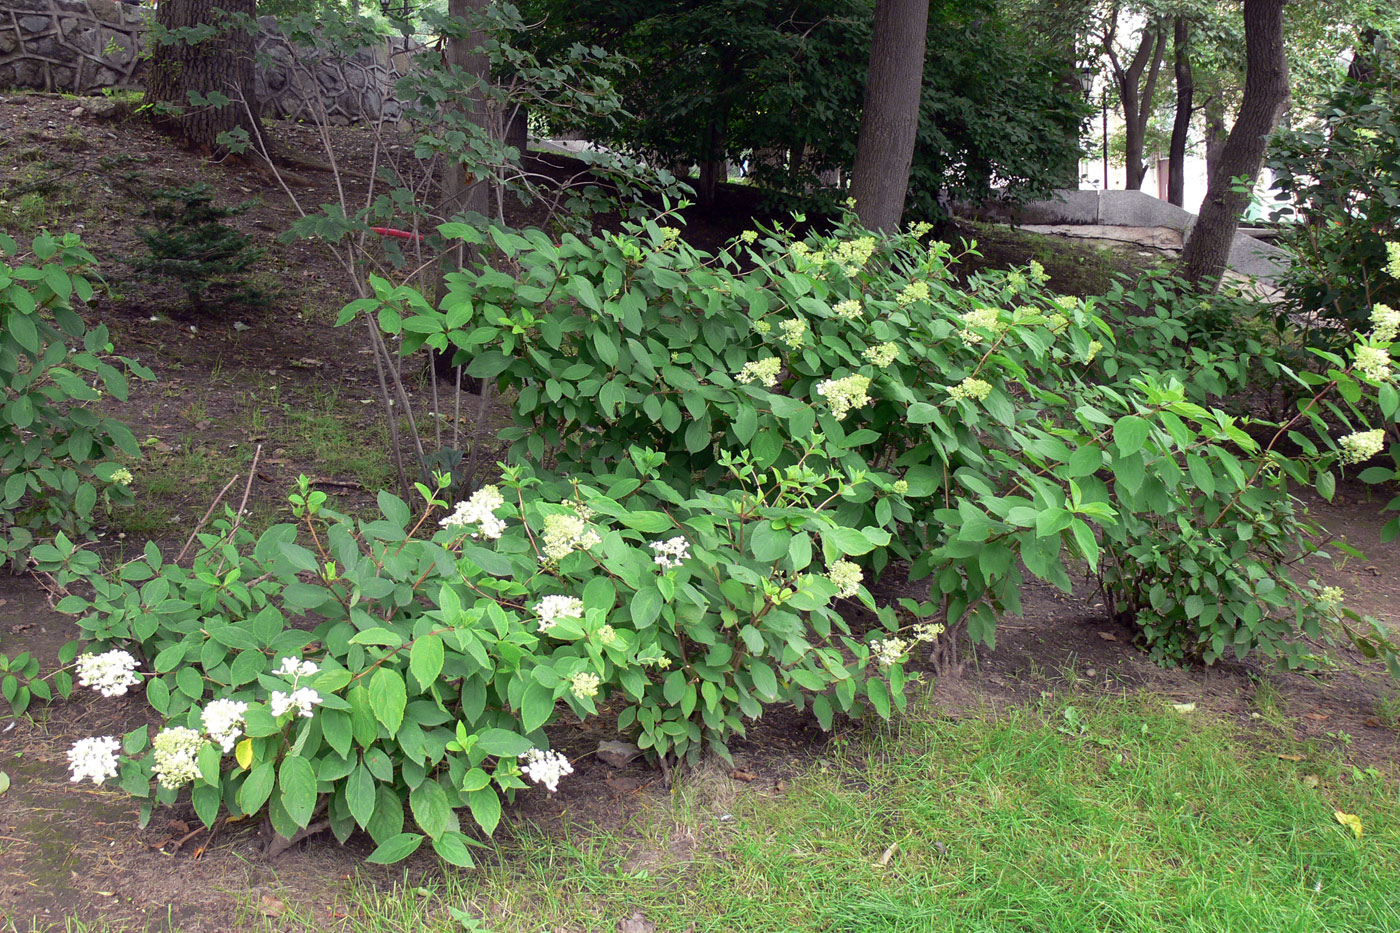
(431, 810)
(452, 849)
(1130, 433)
(360, 795)
(425, 659)
(387, 697)
(486, 808)
(396, 848)
(764, 680)
(257, 787)
(537, 707)
(296, 780)
(503, 743)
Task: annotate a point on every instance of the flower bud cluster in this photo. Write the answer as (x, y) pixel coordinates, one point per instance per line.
(479, 510)
(847, 577)
(845, 394)
(763, 371)
(1362, 445)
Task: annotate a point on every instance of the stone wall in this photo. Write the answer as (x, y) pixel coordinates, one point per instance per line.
(82, 46)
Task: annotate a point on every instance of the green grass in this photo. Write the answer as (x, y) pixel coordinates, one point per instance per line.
(315, 430)
(1092, 814)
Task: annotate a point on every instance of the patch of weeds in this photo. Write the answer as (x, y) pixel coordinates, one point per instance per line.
(1268, 701)
(340, 446)
(1388, 710)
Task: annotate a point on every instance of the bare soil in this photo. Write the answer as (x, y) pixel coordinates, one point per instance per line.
(223, 390)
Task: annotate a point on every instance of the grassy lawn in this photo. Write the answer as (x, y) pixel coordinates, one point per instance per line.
(1080, 814)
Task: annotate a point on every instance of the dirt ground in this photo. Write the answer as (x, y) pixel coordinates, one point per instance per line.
(264, 375)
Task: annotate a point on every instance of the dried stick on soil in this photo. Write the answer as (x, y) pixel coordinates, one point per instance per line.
(212, 506)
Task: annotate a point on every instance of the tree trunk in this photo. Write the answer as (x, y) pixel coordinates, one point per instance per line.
(222, 64)
(1265, 97)
(1185, 89)
(1136, 96)
(713, 168)
(518, 131)
(889, 121)
(463, 192)
(1216, 131)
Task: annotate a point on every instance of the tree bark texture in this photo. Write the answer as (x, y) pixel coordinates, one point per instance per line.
(1181, 127)
(889, 121)
(1136, 95)
(1216, 131)
(1265, 98)
(463, 192)
(219, 64)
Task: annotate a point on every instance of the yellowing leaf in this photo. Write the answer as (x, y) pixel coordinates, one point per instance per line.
(244, 753)
(1184, 708)
(1350, 820)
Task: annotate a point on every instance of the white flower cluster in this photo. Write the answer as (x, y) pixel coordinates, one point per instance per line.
(1392, 254)
(848, 310)
(920, 229)
(122, 476)
(765, 371)
(887, 651)
(1373, 362)
(1056, 322)
(1066, 303)
(545, 767)
(585, 684)
(223, 720)
(1362, 445)
(303, 699)
(913, 292)
(551, 609)
(845, 394)
(847, 577)
(1330, 597)
(670, 554)
(881, 355)
(93, 759)
(1385, 322)
(607, 635)
(928, 631)
(565, 533)
(971, 389)
(479, 510)
(852, 255)
(761, 326)
(794, 331)
(1093, 351)
(1038, 273)
(176, 753)
(983, 318)
(110, 673)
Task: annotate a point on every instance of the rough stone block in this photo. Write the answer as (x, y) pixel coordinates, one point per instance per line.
(1136, 209)
(1264, 261)
(1067, 207)
(35, 24)
(9, 41)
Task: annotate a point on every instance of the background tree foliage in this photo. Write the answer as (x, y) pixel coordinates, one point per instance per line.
(780, 84)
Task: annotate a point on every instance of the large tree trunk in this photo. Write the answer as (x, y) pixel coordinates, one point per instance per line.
(889, 122)
(220, 65)
(1136, 96)
(1185, 89)
(461, 192)
(1216, 131)
(714, 167)
(1265, 98)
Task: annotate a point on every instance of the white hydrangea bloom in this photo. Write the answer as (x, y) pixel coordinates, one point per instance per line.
(1373, 362)
(585, 684)
(110, 673)
(479, 510)
(1362, 445)
(1094, 348)
(122, 476)
(1330, 597)
(1386, 323)
(913, 292)
(671, 553)
(928, 631)
(176, 753)
(887, 651)
(607, 635)
(881, 355)
(566, 532)
(764, 371)
(843, 395)
(93, 759)
(303, 700)
(849, 310)
(794, 331)
(1392, 266)
(971, 389)
(982, 318)
(847, 576)
(551, 609)
(296, 668)
(223, 720)
(545, 767)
